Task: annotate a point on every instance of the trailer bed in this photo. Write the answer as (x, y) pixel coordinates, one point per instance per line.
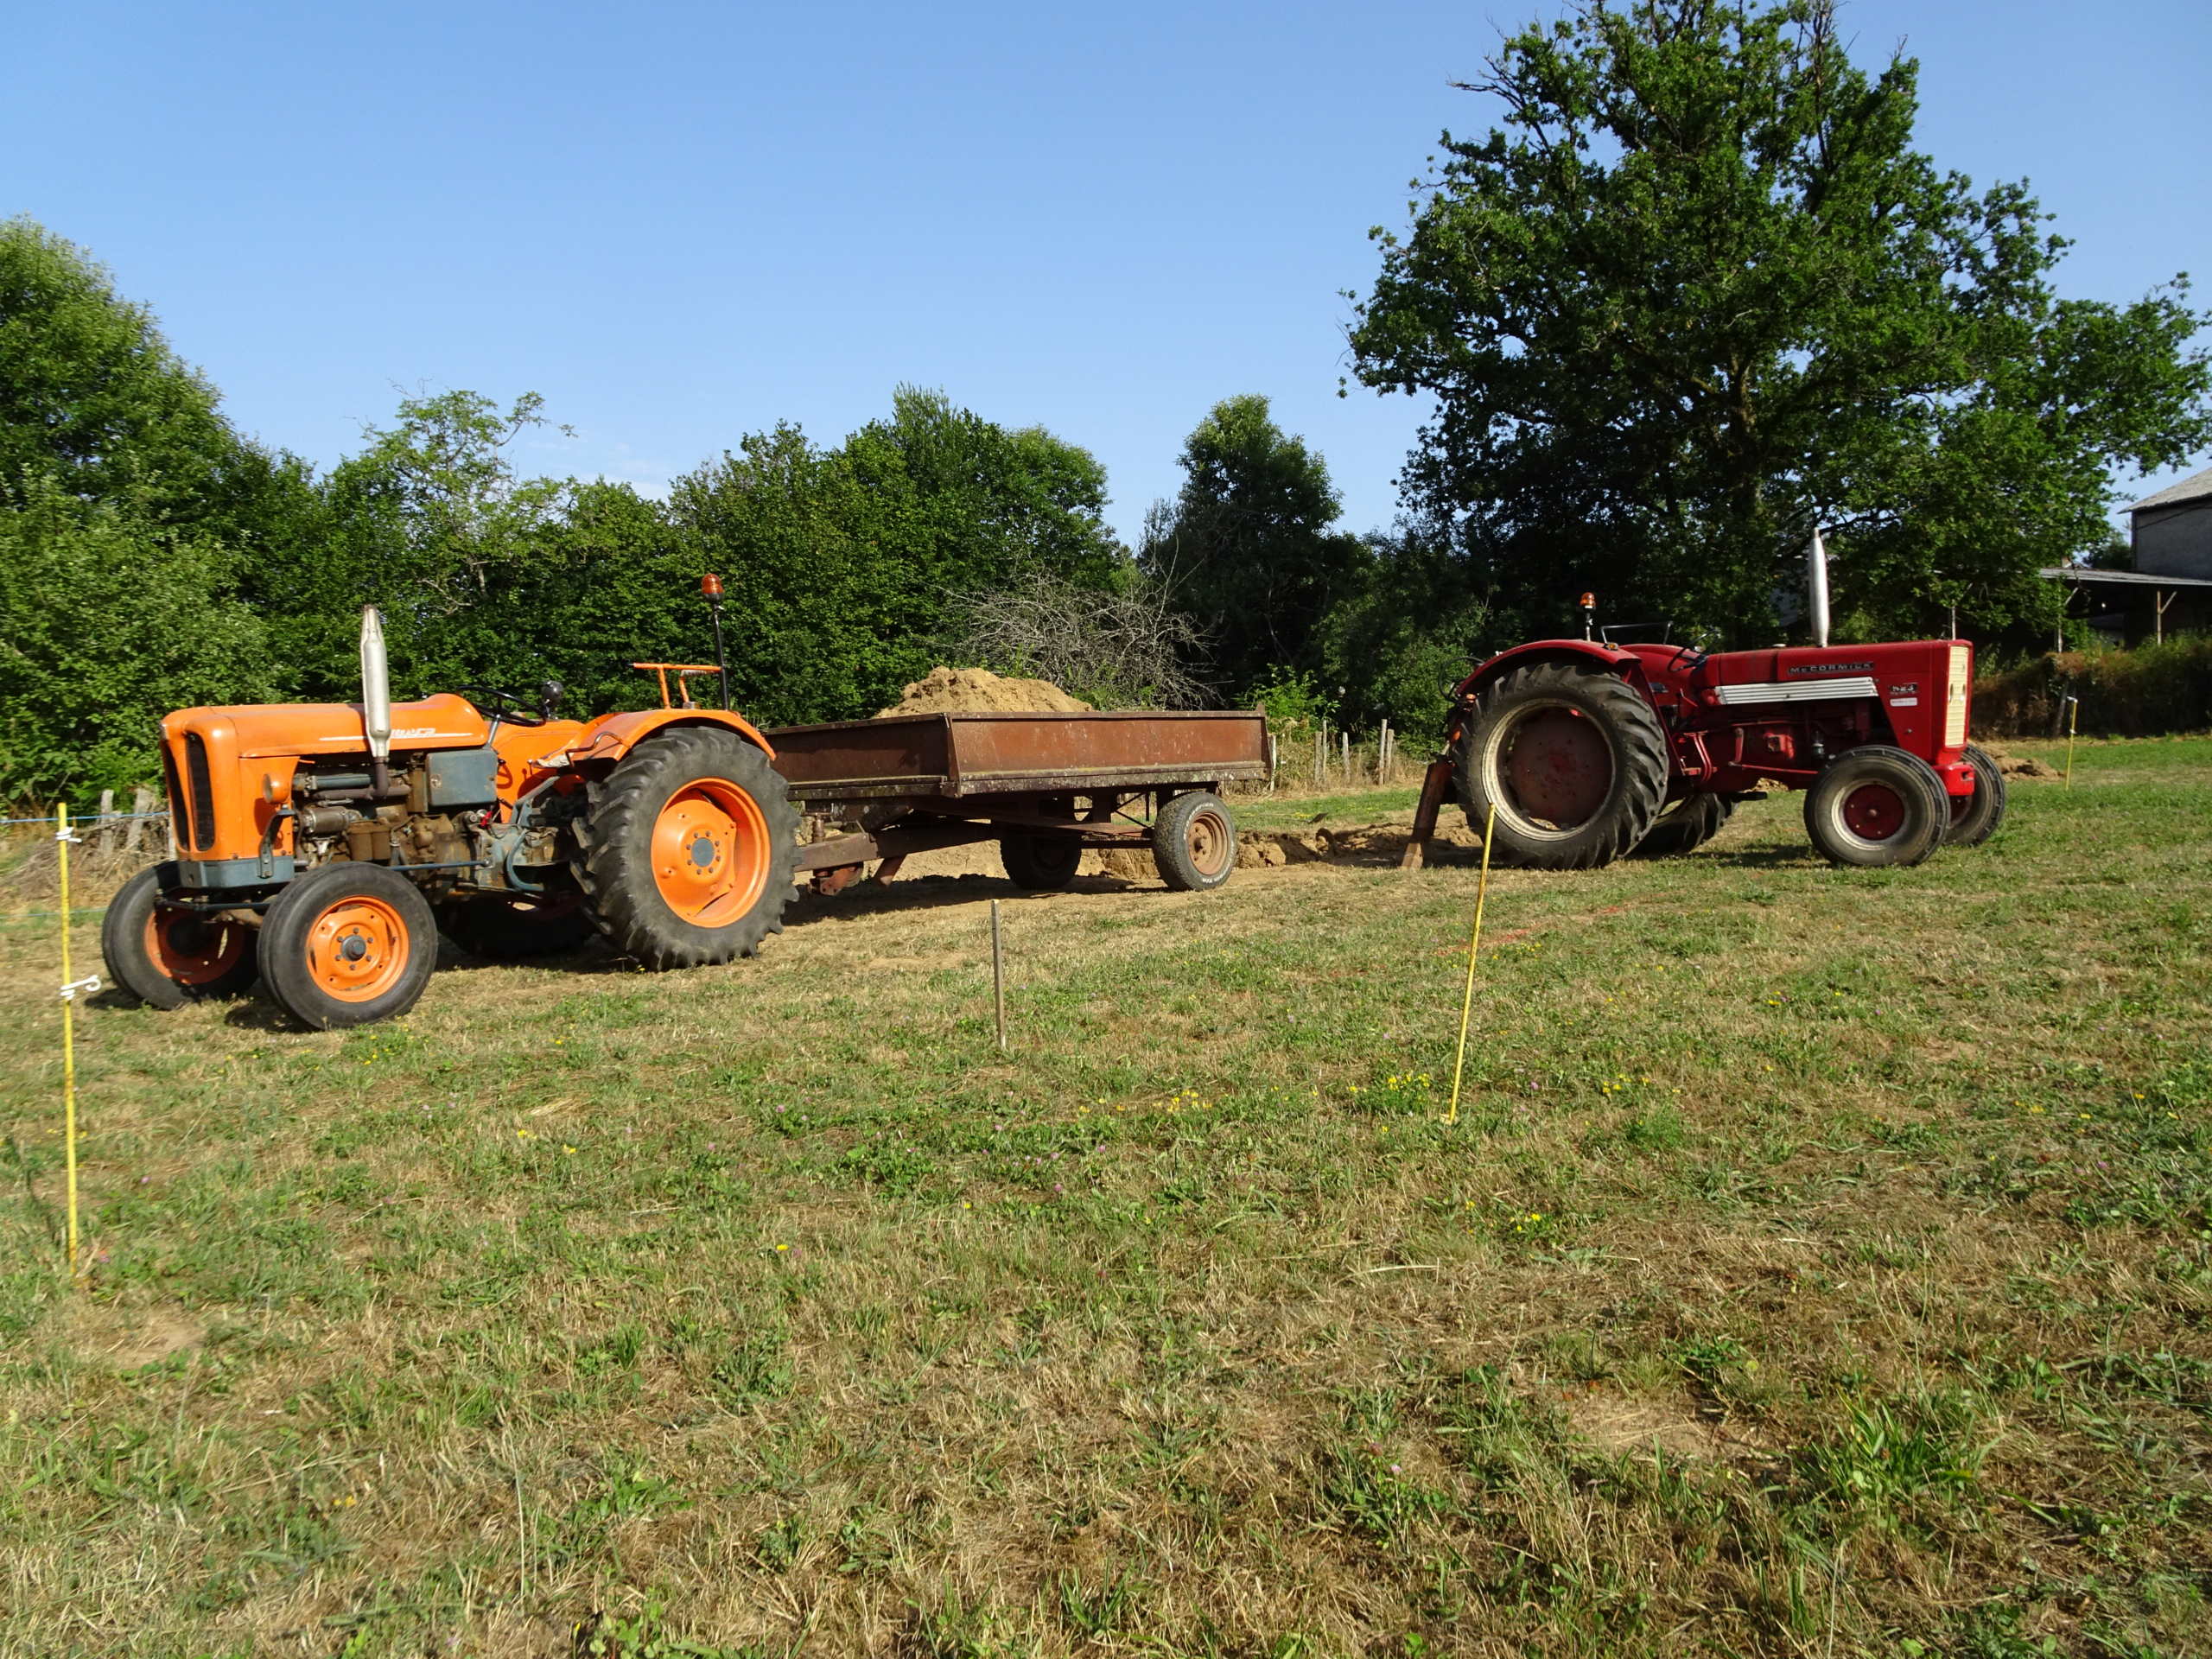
(911, 784)
(958, 757)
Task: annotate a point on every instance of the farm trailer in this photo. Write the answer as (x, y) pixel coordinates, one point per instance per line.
(1043, 786)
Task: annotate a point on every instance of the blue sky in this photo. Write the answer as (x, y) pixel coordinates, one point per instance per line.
(684, 222)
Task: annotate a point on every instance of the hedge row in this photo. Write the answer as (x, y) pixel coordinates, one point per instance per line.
(2138, 693)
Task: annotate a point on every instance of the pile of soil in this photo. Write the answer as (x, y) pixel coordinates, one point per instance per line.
(2022, 766)
(979, 691)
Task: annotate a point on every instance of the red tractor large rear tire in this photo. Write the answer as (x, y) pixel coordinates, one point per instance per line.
(690, 847)
(1685, 825)
(1875, 806)
(1575, 759)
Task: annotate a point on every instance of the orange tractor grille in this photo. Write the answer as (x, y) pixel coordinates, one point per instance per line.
(202, 791)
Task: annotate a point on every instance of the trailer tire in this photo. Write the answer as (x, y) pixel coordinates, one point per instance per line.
(495, 928)
(1685, 825)
(1194, 841)
(1877, 807)
(1040, 863)
(1978, 817)
(166, 956)
(347, 945)
(1575, 760)
(690, 846)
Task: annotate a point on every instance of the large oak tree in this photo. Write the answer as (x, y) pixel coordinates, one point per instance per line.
(1698, 291)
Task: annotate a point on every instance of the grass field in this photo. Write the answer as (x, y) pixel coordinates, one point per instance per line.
(1821, 1264)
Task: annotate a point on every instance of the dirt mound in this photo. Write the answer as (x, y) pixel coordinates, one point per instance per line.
(2022, 766)
(979, 691)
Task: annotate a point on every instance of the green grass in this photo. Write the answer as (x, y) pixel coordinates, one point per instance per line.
(1821, 1262)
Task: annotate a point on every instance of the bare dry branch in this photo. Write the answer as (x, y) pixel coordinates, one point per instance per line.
(1128, 650)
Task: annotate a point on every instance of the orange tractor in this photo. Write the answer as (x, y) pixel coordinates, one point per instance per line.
(322, 847)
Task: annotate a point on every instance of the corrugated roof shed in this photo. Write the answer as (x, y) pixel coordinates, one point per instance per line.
(2196, 485)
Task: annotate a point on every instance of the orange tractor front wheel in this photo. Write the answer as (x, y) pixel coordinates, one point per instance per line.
(167, 954)
(346, 944)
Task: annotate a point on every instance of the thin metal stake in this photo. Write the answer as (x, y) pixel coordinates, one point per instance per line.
(998, 972)
(2073, 714)
(69, 989)
(1474, 945)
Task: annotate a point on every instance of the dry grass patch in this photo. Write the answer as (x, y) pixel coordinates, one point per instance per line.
(1821, 1263)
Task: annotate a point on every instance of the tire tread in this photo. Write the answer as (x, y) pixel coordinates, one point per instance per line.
(612, 866)
(1640, 744)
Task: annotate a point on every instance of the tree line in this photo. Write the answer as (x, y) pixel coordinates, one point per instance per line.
(1695, 293)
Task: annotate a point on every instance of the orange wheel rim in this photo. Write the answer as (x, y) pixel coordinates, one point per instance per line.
(711, 852)
(191, 949)
(1208, 840)
(357, 949)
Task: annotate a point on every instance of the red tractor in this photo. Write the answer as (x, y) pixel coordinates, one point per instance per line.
(1590, 750)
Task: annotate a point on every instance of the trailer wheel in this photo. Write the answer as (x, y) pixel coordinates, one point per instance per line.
(496, 928)
(1978, 817)
(1876, 806)
(346, 944)
(1194, 841)
(166, 954)
(1574, 759)
(693, 840)
(1040, 863)
(1685, 825)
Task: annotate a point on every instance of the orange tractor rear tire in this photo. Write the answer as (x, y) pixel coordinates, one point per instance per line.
(690, 847)
(346, 944)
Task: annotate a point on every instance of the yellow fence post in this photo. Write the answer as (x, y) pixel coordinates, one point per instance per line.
(62, 839)
(2073, 716)
(1474, 944)
(71, 990)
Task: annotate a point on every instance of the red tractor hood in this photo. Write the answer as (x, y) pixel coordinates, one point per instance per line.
(1922, 685)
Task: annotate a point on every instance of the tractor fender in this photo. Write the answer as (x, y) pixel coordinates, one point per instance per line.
(1626, 663)
(610, 737)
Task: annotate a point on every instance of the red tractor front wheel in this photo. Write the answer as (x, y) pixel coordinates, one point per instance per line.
(1975, 817)
(1876, 806)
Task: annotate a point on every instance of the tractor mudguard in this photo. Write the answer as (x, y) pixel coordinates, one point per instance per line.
(1615, 657)
(610, 737)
